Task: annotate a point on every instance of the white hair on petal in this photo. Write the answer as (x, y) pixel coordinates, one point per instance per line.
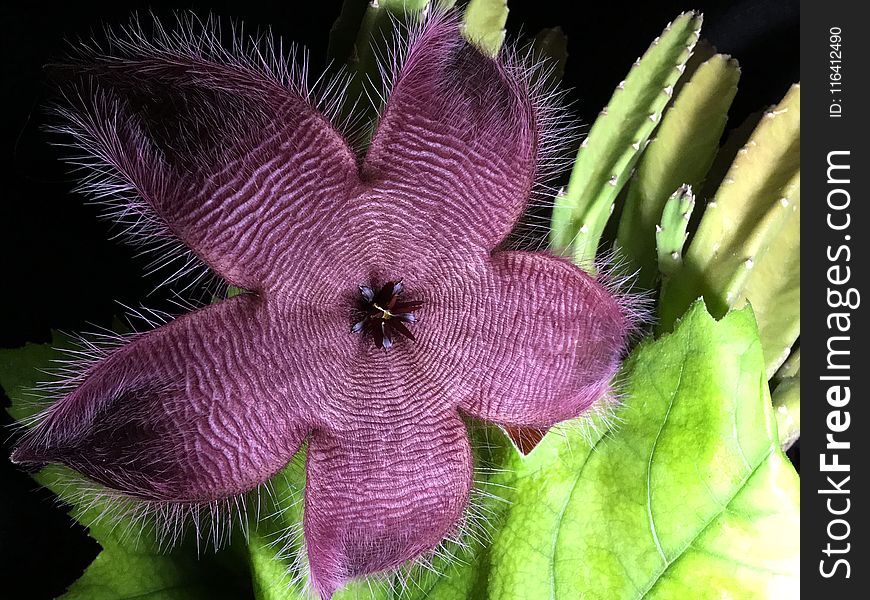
(92, 120)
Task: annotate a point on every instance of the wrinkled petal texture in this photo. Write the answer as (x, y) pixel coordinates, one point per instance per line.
(200, 409)
(237, 164)
(456, 151)
(241, 168)
(548, 340)
(382, 492)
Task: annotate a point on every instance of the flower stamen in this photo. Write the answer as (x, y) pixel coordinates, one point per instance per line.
(383, 316)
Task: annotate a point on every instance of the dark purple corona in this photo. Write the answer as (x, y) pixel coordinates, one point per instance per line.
(383, 316)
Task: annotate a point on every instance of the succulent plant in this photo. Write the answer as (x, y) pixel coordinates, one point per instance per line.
(617, 139)
(681, 153)
(755, 204)
(787, 399)
(743, 245)
(636, 500)
(672, 230)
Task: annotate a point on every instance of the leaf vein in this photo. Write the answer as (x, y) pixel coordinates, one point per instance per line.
(558, 528)
(652, 524)
(707, 525)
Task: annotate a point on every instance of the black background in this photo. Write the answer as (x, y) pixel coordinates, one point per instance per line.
(60, 270)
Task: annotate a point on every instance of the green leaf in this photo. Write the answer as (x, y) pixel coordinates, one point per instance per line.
(20, 372)
(681, 154)
(123, 572)
(616, 141)
(275, 544)
(483, 24)
(689, 497)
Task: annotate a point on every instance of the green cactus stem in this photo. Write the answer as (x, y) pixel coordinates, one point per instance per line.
(373, 37)
(551, 46)
(671, 233)
(773, 290)
(757, 197)
(701, 53)
(727, 154)
(787, 407)
(616, 140)
(786, 399)
(343, 33)
(483, 24)
(682, 152)
(740, 264)
(790, 367)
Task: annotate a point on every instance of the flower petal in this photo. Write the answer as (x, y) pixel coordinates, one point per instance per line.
(226, 154)
(383, 493)
(197, 410)
(457, 146)
(543, 343)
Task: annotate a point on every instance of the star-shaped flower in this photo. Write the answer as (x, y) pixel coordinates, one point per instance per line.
(381, 310)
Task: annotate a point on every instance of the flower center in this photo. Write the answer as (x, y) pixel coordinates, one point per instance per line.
(383, 316)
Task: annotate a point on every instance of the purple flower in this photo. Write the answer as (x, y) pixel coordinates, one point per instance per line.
(381, 310)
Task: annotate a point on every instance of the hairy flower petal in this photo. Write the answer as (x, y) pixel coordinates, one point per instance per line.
(383, 493)
(240, 167)
(457, 146)
(381, 309)
(551, 339)
(197, 410)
